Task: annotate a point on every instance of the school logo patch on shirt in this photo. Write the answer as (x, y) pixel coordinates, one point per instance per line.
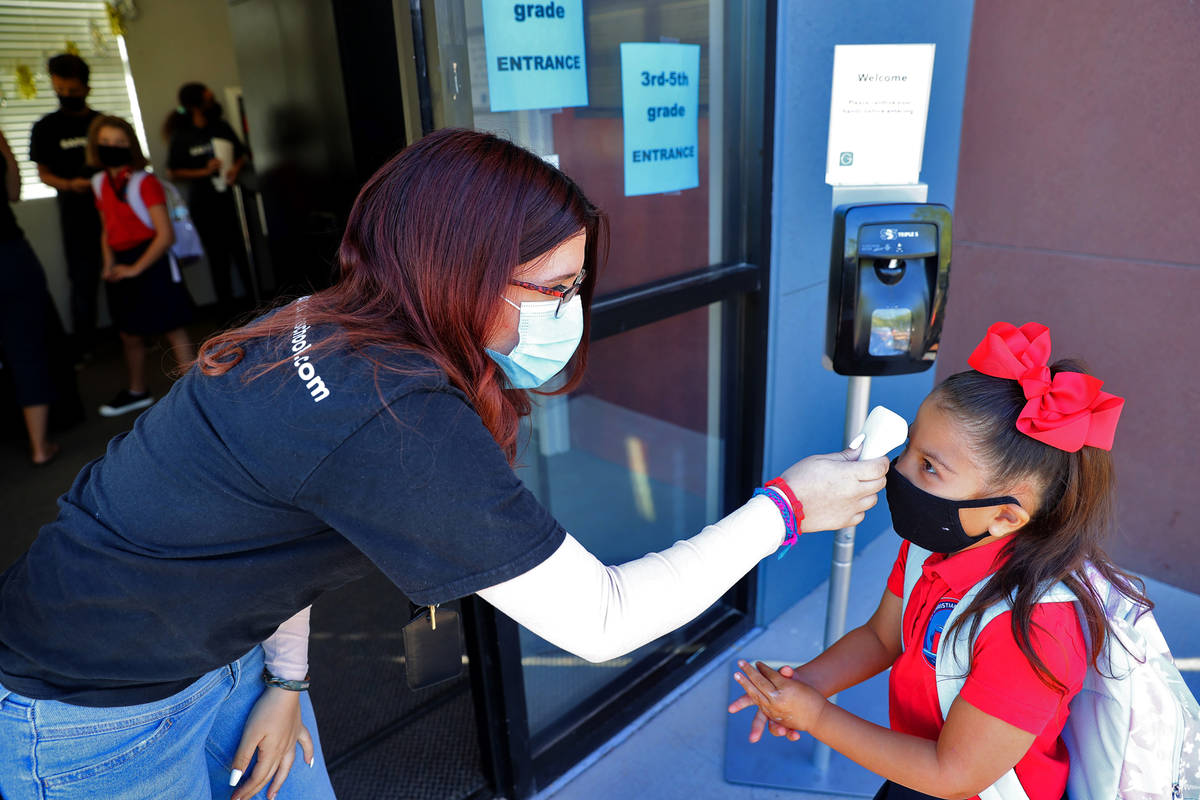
(933, 631)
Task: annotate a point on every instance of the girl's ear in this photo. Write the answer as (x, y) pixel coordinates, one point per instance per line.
(1008, 518)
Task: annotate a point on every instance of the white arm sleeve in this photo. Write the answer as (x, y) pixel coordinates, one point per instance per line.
(286, 651)
(599, 612)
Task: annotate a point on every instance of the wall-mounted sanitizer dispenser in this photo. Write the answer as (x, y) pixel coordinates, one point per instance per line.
(888, 276)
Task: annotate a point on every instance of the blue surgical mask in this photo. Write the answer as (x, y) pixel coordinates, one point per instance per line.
(546, 342)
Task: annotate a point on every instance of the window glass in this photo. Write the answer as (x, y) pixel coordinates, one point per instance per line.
(31, 31)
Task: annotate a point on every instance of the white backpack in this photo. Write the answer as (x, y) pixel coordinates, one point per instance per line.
(187, 241)
(1134, 728)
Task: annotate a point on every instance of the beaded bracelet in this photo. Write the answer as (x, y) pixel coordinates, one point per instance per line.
(797, 506)
(789, 520)
(280, 683)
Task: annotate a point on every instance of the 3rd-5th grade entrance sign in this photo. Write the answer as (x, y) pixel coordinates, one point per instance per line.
(660, 97)
(535, 54)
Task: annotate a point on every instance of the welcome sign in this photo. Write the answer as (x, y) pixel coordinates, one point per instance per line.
(660, 97)
(535, 54)
(879, 104)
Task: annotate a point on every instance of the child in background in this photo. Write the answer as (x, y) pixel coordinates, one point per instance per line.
(146, 294)
(1007, 474)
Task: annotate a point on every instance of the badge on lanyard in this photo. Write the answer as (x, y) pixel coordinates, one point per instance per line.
(433, 647)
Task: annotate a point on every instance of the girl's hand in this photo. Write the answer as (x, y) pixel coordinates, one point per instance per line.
(120, 272)
(273, 729)
(213, 166)
(761, 722)
(784, 701)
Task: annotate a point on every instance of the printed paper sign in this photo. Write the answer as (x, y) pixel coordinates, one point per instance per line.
(660, 94)
(877, 114)
(535, 54)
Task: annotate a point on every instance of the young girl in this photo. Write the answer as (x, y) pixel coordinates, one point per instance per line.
(1007, 474)
(146, 294)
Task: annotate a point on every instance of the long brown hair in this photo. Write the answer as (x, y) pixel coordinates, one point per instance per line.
(431, 244)
(92, 155)
(1073, 515)
(191, 96)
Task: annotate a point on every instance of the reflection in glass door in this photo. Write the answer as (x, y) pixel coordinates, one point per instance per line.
(626, 465)
(655, 444)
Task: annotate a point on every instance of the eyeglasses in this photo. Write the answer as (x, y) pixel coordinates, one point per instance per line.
(565, 294)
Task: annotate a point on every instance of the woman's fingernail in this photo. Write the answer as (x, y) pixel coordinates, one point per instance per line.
(857, 441)
(312, 761)
(234, 777)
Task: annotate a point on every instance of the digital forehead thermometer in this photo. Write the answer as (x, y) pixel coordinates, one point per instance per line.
(884, 431)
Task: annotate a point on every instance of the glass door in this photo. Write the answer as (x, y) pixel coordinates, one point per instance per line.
(665, 433)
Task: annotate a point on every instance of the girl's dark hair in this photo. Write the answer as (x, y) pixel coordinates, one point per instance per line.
(92, 156)
(1073, 514)
(431, 244)
(191, 96)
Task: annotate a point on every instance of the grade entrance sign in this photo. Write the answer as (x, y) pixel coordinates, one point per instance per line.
(535, 54)
(660, 97)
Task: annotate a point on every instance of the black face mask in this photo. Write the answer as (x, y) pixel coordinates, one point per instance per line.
(213, 113)
(114, 156)
(72, 104)
(930, 521)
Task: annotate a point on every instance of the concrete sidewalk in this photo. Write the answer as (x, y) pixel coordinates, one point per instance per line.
(677, 749)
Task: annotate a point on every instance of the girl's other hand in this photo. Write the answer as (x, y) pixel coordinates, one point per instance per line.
(761, 723)
(120, 272)
(273, 729)
(787, 702)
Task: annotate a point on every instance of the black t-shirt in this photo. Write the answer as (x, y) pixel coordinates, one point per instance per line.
(234, 503)
(191, 148)
(9, 230)
(59, 142)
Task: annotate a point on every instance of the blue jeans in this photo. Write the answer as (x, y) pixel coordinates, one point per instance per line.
(180, 747)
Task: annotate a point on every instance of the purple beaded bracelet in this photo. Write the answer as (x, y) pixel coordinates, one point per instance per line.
(789, 519)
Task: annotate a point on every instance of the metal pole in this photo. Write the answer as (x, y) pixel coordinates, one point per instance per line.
(240, 202)
(858, 402)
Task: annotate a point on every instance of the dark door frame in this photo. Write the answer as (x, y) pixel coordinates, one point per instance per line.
(493, 647)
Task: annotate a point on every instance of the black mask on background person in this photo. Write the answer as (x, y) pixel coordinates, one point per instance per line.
(213, 113)
(114, 156)
(72, 104)
(930, 521)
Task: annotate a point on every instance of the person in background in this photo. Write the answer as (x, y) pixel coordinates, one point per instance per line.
(57, 147)
(146, 294)
(22, 316)
(191, 157)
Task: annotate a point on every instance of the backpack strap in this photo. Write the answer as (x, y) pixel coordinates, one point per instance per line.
(133, 196)
(914, 566)
(954, 661)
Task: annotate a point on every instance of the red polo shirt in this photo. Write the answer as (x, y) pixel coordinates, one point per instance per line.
(121, 225)
(1002, 681)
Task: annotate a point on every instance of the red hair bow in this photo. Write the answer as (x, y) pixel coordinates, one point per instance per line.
(1066, 411)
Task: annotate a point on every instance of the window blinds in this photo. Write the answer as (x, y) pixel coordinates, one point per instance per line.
(31, 31)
